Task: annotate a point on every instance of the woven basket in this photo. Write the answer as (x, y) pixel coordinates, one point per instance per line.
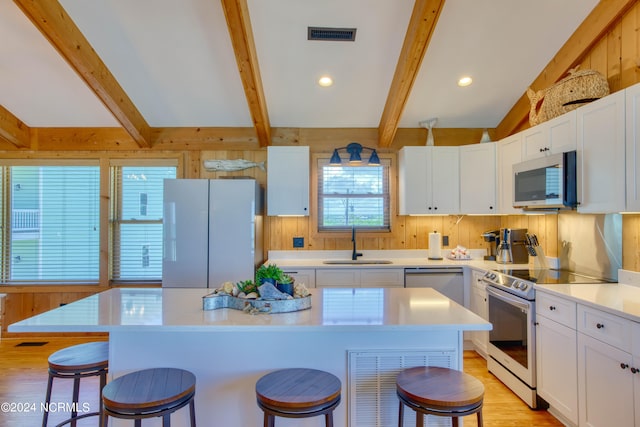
(579, 88)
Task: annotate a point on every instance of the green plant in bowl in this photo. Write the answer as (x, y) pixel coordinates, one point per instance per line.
(268, 273)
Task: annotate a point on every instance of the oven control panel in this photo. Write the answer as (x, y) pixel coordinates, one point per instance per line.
(520, 287)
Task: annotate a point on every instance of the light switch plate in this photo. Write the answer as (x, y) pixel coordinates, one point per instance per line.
(298, 242)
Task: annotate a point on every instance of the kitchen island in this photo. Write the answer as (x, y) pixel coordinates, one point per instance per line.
(364, 336)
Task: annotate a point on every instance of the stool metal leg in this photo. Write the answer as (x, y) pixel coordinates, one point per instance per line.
(47, 401)
(328, 419)
(74, 400)
(192, 411)
(479, 415)
(419, 419)
(401, 415)
(454, 421)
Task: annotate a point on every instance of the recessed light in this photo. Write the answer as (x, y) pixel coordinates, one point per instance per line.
(325, 81)
(465, 81)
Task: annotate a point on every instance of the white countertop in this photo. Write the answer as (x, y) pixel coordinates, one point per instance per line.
(616, 298)
(180, 309)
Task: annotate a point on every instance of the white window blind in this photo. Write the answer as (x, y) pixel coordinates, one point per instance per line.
(136, 221)
(351, 196)
(54, 227)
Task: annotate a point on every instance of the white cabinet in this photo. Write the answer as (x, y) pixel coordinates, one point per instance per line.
(606, 372)
(360, 277)
(428, 180)
(553, 136)
(288, 180)
(556, 355)
(632, 149)
(601, 155)
(509, 153)
(306, 276)
(479, 305)
(478, 179)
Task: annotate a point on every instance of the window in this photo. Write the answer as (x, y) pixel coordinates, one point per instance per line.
(54, 228)
(351, 196)
(136, 221)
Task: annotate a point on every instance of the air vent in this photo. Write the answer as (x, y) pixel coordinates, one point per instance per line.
(331, 34)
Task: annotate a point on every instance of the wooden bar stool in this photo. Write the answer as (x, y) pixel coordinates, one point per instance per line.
(76, 362)
(149, 393)
(439, 391)
(298, 393)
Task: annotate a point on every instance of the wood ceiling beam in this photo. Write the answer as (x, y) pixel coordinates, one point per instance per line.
(239, 25)
(421, 25)
(592, 29)
(56, 25)
(13, 130)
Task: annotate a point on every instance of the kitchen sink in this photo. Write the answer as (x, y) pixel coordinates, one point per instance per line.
(357, 261)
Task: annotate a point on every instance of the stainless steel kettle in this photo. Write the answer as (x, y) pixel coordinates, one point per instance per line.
(504, 254)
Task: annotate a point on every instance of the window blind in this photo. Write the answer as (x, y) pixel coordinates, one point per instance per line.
(351, 196)
(54, 227)
(136, 222)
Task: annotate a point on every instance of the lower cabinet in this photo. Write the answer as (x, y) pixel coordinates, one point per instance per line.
(556, 365)
(360, 277)
(478, 304)
(606, 371)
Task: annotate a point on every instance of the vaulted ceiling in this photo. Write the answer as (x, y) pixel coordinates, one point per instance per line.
(145, 65)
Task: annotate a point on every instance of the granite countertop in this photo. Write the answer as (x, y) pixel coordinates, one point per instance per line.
(180, 309)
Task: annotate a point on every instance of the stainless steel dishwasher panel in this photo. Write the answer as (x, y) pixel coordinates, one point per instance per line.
(449, 281)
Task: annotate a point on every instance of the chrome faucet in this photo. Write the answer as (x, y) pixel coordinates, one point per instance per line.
(354, 254)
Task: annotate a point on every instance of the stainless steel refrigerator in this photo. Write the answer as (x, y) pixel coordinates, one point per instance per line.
(212, 231)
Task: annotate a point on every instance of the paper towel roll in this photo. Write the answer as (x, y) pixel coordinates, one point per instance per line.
(435, 250)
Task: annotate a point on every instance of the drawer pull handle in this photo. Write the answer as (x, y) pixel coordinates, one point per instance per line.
(634, 370)
(552, 307)
(599, 325)
(624, 365)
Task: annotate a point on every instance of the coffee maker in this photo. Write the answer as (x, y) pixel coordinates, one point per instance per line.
(492, 238)
(511, 246)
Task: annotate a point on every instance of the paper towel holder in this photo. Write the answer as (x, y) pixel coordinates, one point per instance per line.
(435, 249)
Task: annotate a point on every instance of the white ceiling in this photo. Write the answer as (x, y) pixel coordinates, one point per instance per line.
(175, 60)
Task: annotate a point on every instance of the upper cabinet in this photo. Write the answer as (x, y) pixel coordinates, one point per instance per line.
(428, 180)
(478, 179)
(601, 155)
(288, 180)
(509, 153)
(632, 149)
(554, 136)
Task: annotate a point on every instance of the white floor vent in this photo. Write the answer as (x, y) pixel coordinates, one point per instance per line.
(372, 385)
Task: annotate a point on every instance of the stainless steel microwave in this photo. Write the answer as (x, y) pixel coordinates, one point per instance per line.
(546, 183)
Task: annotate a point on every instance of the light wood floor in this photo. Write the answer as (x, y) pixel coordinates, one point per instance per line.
(23, 381)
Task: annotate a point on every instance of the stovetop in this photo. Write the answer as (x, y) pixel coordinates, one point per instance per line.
(520, 282)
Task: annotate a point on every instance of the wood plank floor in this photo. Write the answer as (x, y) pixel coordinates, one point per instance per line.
(23, 381)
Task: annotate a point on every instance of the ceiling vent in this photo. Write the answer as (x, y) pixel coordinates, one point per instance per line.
(331, 34)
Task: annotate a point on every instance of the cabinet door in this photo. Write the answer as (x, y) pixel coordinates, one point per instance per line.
(535, 141)
(445, 180)
(306, 276)
(342, 277)
(601, 155)
(556, 366)
(605, 384)
(288, 181)
(632, 95)
(478, 179)
(414, 181)
(509, 153)
(562, 133)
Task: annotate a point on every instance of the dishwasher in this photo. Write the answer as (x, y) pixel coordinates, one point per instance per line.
(449, 281)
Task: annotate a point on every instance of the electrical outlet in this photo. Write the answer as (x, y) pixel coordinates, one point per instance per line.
(445, 240)
(298, 242)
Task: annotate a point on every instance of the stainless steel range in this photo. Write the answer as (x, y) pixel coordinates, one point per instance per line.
(512, 341)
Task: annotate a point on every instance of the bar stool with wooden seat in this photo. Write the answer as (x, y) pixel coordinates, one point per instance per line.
(439, 391)
(298, 393)
(76, 362)
(150, 393)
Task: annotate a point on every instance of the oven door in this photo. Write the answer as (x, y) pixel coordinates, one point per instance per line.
(512, 339)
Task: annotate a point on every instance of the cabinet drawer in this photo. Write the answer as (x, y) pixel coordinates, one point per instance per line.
(338, 277)
(605, 327)
(306, 276)
(382, 278)
(555, 308)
